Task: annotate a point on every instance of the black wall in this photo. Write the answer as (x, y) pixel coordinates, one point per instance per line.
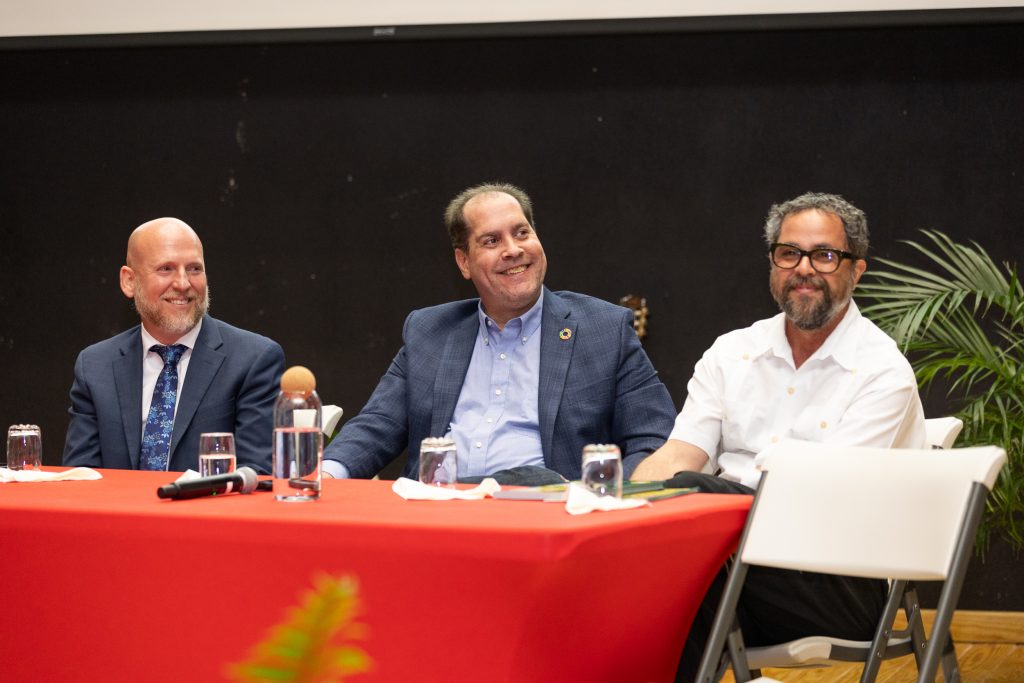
(316, 175)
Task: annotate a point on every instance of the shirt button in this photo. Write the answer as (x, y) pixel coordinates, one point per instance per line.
(524, 339)
(775, 439)
(490, 420)
(824, 425)
(502, 356)
(479, 444)
(497, 392)
(790, 391)
(746, 356)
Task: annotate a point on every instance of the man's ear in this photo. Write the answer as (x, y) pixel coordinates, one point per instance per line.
(462, 261)
(859, 266)
(128, 282)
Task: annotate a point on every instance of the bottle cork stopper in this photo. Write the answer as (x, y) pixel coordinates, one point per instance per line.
(298, 379)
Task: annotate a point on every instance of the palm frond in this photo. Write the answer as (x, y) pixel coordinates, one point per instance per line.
(962, 321)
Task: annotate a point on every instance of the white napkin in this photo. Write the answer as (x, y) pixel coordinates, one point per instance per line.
(75, 473)
(582, 500)
(410, 489)
(188, 475)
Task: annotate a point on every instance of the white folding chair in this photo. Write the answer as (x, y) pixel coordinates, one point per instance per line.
(879, 513)
(331, 416)
(941, 432)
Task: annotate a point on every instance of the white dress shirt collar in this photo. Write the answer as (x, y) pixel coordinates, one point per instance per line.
(840, 345)
(188, 339)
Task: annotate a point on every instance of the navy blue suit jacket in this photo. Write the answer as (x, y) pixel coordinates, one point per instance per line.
(232, 382)
(596, 386)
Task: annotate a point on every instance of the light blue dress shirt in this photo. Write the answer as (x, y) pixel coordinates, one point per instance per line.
(496, 424)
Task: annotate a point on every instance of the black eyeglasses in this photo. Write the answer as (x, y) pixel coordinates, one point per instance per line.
(788, 256)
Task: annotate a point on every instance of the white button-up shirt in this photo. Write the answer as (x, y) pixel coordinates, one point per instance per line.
(746, 394)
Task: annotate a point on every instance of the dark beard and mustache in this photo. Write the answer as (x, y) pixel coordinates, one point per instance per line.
(804, 312)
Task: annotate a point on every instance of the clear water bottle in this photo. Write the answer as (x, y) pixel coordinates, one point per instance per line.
(298, 439)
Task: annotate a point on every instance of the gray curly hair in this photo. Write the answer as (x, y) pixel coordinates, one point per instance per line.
(855, 223)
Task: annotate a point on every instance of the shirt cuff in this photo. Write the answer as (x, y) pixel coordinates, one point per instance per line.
(336, 469)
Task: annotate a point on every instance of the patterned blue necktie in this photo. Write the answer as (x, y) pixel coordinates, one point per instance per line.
(156, 441)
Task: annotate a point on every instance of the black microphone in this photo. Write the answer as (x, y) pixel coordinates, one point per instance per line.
(242, 480)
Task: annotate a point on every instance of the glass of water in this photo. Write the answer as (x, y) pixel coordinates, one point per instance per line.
(216, 453)
(24, 447)
(602, 469)
(438, 462)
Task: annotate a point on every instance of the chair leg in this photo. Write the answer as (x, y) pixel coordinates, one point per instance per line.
(738, 654)
(940, 639)
(723, 666)
(950, 666)
(726, 614)
(882, 632)
(915, 626)
(725, 617)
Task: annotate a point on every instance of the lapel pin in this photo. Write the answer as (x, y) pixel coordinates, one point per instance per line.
(565, 334)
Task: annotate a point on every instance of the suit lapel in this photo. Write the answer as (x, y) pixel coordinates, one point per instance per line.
(558, 336)
(203, 365)
(128, 380)
(458, 350)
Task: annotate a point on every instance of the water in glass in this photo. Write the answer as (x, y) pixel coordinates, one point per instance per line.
(602, 469)
(297, 453)
(24, 447)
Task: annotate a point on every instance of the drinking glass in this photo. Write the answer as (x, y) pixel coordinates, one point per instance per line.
(216, 453)
(24, 447)
(602, 469)
(438, 462)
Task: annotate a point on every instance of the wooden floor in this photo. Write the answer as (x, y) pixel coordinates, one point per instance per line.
(989, 647)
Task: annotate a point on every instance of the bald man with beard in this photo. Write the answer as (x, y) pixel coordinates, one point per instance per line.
(179, 370)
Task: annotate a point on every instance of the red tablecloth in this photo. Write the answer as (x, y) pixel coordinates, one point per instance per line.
(102, 581)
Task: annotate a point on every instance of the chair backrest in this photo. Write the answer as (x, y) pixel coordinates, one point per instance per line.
(874, 512)
(331, 416)
(941, 432)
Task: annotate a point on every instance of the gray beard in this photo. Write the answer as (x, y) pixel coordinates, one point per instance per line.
(809, 317)
(175, 324)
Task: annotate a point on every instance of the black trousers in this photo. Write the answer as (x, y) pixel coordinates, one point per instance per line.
(779, 605)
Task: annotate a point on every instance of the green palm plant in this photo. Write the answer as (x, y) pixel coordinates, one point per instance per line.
(962, 321)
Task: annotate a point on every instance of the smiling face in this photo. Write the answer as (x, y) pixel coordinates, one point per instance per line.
(503, 256)
(811, 300)
(166, 276)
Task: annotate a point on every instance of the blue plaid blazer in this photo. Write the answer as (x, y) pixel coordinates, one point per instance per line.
(597, 386)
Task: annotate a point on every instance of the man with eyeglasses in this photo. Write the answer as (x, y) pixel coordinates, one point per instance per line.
(818, 371)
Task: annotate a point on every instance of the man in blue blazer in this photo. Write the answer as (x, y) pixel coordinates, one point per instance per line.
(225, 379)
(521, 378)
